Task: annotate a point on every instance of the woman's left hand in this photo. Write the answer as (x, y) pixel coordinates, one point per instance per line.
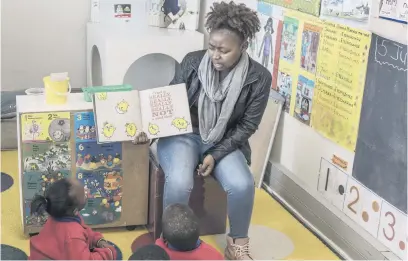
(207, 167)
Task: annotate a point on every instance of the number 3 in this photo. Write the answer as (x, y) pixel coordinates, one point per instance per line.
(391, 225)
(354, 201)
(79, 117)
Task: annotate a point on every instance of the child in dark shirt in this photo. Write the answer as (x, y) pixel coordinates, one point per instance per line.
(180, 236)
(150, 252)
(64, 235)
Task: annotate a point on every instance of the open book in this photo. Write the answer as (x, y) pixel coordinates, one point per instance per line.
(159, 112)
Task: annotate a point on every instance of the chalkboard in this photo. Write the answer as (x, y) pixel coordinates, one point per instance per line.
(381, 154)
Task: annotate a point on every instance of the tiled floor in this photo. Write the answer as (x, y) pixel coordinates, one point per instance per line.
(274, 233)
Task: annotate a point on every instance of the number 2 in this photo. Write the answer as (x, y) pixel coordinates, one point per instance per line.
(391, 225)
(49, 116)
(354, 201)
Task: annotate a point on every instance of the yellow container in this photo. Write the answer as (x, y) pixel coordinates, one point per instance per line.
(56, 92)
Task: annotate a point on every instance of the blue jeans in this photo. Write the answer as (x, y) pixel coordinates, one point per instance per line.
(179, 157)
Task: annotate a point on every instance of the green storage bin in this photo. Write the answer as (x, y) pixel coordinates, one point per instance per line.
(90, 91)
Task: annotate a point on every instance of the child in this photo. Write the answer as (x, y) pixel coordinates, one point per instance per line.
(64, 235)
(180, 236)
(150, 252)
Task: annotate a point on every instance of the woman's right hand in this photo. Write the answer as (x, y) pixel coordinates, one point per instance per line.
(140, 138)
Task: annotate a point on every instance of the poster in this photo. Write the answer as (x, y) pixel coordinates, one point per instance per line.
(339, 85)
(396, 10)
(122, 10)
(265, 47)
(298, 62)
(46, 157)
(98, 168)
(347, 9)
(84, 124)
(174, 14)
(92, 156)
(304, 99)
(104, 190)
(43, 127)
(306, 6)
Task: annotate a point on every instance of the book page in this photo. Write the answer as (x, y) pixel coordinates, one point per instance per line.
(117, 116)
(165, 111)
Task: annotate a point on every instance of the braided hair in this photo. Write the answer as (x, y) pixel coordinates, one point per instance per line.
(237, 18)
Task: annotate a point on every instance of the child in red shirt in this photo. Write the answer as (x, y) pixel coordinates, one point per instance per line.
(180, 236)
(64, 235)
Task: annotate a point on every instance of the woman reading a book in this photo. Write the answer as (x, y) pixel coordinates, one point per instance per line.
(228, 93)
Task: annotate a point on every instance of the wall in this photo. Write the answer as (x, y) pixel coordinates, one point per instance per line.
(299, 149)
(40, 37)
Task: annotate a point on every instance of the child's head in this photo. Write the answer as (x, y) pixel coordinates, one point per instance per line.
(180, 227)
(150, 252)
(62, 198)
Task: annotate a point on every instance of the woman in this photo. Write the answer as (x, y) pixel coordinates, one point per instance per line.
(228, 93)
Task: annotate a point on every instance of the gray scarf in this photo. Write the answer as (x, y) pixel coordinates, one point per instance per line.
(217, 99)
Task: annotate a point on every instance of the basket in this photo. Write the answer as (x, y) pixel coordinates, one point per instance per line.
(90, 91)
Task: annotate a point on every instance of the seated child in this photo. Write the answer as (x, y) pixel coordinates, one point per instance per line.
(64, 235)
(180, 236)
(150, 252)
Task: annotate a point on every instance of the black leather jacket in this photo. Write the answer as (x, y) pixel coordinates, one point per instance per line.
(248, 110)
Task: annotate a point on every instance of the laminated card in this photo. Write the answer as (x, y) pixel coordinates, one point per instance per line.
(159, 112)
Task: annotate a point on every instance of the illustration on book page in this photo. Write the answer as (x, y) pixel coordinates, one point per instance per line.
(117, 116)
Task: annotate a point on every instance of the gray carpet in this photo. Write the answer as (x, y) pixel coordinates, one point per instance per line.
(6, 181)
(12, 253)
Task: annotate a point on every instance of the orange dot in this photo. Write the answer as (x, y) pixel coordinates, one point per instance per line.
(376, 206)
(402, 245)
(365, 216)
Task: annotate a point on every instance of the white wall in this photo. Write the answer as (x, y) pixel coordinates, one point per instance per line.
(40, 37)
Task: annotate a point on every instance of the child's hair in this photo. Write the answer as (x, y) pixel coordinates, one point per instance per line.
(180, 227)
(150, 252)
(57, 201)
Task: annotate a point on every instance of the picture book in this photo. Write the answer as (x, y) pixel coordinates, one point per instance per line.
(174, 14)
(159, 112)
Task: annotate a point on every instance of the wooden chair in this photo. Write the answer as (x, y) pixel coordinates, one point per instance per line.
(208, 201)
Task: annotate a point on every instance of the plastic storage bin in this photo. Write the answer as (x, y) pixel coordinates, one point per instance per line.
(90, 91)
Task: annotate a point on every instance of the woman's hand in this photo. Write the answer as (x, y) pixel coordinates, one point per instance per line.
(141, 138)
(207, 167)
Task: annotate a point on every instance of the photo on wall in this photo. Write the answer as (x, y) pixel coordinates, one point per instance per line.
(310, 45)
(284, 87)
(289, 39)
(358, 10)
(174, 14)
(304, 98)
